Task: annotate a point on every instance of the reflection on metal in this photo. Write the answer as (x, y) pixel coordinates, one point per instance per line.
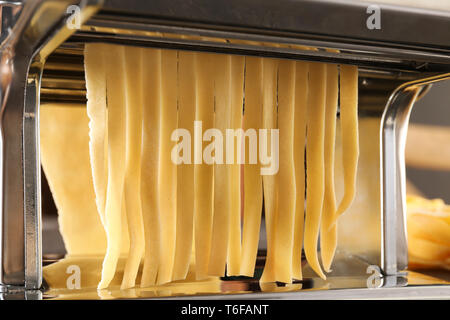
(32, 182)
(348, 281)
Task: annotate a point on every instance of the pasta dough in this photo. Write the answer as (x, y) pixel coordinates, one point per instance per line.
(284, 227)
(252, 177)
(150, 164)
(96, 110)
(328, 235)
(68, 172)
(222, 178)
(114, 63)
(315, 163)
(349, 127)
(270, 182)
(167, 220)
(167, 179)
(185, 174)
(234, 238)
(203, 173)
(301, 96)
(428, 223)
(132, 187)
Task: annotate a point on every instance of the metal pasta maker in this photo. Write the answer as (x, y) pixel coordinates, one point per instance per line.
(42, 60)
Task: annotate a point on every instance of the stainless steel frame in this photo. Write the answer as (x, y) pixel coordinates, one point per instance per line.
(393, 136)
(415, 58)
(36, 30)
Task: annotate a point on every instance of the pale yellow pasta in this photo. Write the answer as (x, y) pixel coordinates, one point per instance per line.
(68, 172)
(222, 177)
(185, 175)
(301, 96)
(328, 230)
(252, 175)
(349, 127)
(96, 109)
(114, 64)
(203, 173)
(175, 220)
(167, 179)
(428, 223)
(270, 185)
(132, 187)
(234, 237)
(315, 163)
(428, 250)
(284, 227)
(150, 164)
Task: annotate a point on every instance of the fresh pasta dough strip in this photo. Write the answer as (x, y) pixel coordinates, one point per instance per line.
(428, 250)
(301, 96)
(222, 179)
(68, 172)
(185, 175)
(167, 168)
(284, 234)
(349, 127)
(328, 230)
(114, 65)
(150, 164)
(270, 186)
(203, 173)
(315, 163)
(96, 109)
(174, 208)
(428, 227)
(252, 175)
(132, 188)
(234, 238)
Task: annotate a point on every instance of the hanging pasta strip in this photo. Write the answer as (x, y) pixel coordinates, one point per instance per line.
(315, 162)
(203, 173)
(185, 172)
(252, 175)
(270, 186)
(349, 128)
(328, 230)
(150, 164)
(301, 96)
(96, 109)
(284, 234)
(222, 178)
(234, 237)
(114, 64)
(79, 221)
(132, 190)
(167, 168)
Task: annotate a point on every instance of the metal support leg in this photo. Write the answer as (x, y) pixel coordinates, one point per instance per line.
(32, 181)
(394, 124)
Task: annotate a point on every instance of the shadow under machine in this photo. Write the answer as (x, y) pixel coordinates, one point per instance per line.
(42, 61)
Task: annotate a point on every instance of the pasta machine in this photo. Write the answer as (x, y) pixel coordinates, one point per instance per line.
(42, 60)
